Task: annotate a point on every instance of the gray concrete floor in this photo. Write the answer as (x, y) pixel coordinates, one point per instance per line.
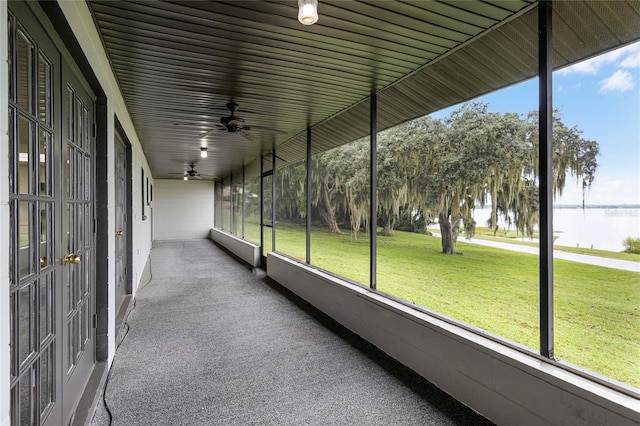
(211, 343)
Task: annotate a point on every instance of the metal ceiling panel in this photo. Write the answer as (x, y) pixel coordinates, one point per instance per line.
(178, 63)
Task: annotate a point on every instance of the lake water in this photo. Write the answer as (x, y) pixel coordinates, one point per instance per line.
(598, 228)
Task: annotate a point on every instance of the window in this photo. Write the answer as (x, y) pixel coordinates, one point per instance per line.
(226, 204)
(340, 203)
(142, 194)
(291, 204)
(217, 204)
(267, 212)
(236, 200)
(251, 196)
(448, 185)
(597, 325)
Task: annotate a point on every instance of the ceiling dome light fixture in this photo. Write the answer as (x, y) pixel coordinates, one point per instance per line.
(308, 11)
(203, 152)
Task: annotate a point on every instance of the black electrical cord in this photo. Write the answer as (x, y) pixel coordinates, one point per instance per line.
(104, 398)
(106, 382)
(128, 327)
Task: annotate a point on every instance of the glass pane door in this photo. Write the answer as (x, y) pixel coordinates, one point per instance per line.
(32, 201)
(77, 224)
(121, 209)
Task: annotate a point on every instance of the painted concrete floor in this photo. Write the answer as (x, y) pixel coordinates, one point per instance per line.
(211, 343)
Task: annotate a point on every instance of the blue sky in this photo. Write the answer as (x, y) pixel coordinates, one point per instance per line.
(601, 96)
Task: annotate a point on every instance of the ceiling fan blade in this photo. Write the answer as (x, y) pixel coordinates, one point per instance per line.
(267, 129)
(248, 136)
(205, 134)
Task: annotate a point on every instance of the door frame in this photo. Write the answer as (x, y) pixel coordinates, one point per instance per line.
(120, 137)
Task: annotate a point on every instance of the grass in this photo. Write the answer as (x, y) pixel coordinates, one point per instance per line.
(597, 310)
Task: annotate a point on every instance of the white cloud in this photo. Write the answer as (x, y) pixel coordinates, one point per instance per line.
(620, 81)
(562, 88)
(630, 53)
(590, 66)
(631, 61)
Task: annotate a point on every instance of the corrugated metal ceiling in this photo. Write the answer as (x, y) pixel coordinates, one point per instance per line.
(179, 63)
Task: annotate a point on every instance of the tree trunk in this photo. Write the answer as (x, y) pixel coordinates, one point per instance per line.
(386, 231)
(327, 211)
(494, 209)
(446, 231)
(494, 220)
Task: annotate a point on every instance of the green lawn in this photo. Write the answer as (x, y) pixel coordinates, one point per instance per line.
(597, 310)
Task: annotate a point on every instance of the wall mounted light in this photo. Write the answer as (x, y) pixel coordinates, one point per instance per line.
(203, 152)
(185, 177)
(308, 11)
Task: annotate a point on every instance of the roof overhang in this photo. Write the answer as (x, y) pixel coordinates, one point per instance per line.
(179, 63)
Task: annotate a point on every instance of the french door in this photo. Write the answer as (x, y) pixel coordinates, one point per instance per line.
(78, 258)
(51, 227)
(121, 222)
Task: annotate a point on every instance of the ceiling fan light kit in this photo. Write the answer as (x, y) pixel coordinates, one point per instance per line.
(308, 12)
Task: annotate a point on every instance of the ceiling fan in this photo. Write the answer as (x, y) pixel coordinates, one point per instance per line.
(234, 124)
(191, 173)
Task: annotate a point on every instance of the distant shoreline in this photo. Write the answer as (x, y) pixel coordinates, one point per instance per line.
(598, 206)
(586, 206)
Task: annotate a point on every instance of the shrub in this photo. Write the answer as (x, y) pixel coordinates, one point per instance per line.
(631, 245)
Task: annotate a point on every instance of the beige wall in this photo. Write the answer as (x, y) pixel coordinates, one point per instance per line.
(182, 209)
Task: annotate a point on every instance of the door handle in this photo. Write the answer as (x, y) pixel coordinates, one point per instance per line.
(119, 233)
(73, 259)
